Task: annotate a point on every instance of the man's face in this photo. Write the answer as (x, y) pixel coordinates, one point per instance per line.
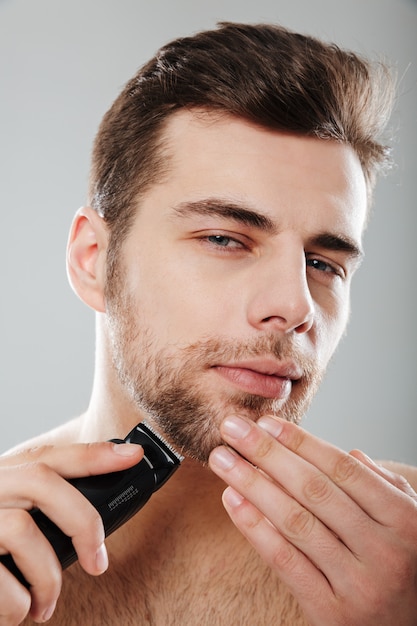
(232, 289)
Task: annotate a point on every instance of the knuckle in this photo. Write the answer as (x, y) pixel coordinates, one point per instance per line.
(347, 469)
(264, 447)
(402, 483)
(92, 448)
(91, 523)
(97, 524)
(38, 451)
(299, 524)
(89, 517)
(292, 437)
(38, 472)
(319, 488)
(251, 519)
(249, 478)
(33, 454)
(18, 522)
(25, 457)
(284, 556)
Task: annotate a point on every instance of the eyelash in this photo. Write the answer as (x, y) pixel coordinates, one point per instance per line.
(330, 268)
(215, 240)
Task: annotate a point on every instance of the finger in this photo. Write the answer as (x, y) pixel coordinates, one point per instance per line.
(35, 558)
(392, 477)
(15, 600)
(363, 485)
(28, 483)
(318, 495)
(60, 502)
(72, 461)
(76, 460)
(386, 558)
(295, 523)
(302, 578)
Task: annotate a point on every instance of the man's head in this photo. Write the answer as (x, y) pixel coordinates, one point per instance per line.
(265, 74)
(236, 174)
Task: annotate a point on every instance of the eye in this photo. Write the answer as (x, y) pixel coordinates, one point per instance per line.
(325, 267)
(322, 266)
(224, 241)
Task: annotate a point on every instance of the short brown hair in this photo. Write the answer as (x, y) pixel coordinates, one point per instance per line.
(263, 73)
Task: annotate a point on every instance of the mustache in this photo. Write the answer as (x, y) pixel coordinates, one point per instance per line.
(224, 349)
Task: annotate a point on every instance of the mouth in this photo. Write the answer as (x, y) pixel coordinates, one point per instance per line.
(265, 378)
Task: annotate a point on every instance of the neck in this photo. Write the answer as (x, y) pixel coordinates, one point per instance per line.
(111, 412)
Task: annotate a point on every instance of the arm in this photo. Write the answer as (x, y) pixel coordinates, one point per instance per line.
(35, 478)
(340, 531)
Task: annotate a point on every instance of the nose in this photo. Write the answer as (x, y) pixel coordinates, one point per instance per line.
(280, 298)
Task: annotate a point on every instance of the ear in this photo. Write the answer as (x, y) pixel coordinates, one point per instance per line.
(86, 257)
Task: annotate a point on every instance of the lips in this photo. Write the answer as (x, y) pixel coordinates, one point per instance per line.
(262, 378)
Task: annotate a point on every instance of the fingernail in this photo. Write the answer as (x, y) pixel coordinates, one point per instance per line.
(235, 427)
(223, 458)
(102, 560)
(271, 425)
(126, 449)
(232, 497)
(49, 612)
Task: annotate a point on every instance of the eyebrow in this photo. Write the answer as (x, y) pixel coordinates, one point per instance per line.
(249, 217)
(330, 241)
(227, 210)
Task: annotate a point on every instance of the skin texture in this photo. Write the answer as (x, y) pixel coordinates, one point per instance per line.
(233, 293)
(182, 292)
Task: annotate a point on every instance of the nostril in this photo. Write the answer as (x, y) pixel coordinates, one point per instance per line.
(297, 323)
(273, 318)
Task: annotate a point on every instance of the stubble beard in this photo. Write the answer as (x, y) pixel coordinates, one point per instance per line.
(167, 385)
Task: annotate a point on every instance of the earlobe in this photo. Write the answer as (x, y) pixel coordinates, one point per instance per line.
(86, 257)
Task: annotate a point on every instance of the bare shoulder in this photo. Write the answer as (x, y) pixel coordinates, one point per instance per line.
(65, 433)
(408, 471)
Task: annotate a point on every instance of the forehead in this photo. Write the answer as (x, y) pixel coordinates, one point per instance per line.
(215, 154)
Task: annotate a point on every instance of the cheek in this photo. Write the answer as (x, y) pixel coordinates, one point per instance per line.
(175, 304)
(330, 328)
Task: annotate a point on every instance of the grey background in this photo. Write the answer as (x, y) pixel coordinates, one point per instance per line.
(62, 62)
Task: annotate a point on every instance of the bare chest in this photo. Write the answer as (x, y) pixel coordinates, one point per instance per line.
(214, 592)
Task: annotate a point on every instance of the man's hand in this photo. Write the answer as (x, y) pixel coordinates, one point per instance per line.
(340, 531)
(35, 478)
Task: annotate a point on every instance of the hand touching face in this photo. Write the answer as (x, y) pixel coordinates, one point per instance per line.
(340, 531)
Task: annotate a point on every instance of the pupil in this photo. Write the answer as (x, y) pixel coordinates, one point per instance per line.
(220, 239)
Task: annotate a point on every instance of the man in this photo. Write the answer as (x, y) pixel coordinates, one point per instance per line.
(229, 191)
